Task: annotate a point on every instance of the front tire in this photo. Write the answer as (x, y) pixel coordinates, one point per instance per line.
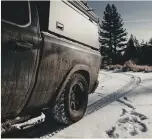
(72, 103)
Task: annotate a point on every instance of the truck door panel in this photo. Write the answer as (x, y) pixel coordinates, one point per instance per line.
(20, 54)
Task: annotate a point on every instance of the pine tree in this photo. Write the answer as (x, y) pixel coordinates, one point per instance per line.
(142, 43)
(137, 45)
(113, 36)
(145, 53)
(130, 52)
(150, 41)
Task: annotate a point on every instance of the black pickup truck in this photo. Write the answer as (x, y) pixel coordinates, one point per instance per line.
(49, 58)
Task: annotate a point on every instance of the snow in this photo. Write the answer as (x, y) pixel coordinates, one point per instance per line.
(116, 120)
(92, 126)
(129, 117)
(141, 99)
(129, 124)
(31, 122)
(108, 83)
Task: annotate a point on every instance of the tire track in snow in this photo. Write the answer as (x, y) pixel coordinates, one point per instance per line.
(133, 83)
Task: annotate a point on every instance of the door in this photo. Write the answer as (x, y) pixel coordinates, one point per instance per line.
(20, 49)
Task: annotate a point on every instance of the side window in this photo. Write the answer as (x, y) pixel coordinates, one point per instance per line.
(15, 11)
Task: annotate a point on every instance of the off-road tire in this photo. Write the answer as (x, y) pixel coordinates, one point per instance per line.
(61, 111)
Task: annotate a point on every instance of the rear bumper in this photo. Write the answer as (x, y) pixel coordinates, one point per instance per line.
(95, 86)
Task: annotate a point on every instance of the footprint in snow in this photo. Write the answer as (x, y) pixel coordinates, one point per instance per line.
(129, 124)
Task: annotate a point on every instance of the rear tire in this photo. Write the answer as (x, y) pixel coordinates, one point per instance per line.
(72, 103)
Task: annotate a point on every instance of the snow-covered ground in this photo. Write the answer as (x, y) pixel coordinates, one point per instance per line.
(130, 117)
(108, 83)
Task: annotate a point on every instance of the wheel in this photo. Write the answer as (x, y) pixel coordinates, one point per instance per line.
(72, 103)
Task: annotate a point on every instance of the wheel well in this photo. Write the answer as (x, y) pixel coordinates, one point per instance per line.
(85, 74)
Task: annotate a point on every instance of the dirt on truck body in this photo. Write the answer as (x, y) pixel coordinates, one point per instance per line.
(50, 58)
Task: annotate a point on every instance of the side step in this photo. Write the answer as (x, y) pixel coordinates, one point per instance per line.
(21, 123)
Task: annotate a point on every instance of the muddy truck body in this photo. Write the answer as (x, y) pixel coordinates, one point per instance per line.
(50, 58)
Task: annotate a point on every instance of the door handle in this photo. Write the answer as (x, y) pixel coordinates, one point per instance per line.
(21, 45)
(59, 26)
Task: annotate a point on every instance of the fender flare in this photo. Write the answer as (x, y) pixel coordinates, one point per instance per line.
(72, 71)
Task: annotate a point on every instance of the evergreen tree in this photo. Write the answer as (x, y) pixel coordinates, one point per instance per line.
(130, 52)
(142, 43)
(113, 36)
(137, 45)
(145, 54)
(150, 41)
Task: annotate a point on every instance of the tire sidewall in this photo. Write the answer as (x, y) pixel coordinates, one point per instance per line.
(74, 116)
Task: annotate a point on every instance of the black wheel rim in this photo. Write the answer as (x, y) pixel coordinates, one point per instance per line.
(76, 96)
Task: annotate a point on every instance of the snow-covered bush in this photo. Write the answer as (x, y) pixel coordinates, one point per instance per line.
(129, 66)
